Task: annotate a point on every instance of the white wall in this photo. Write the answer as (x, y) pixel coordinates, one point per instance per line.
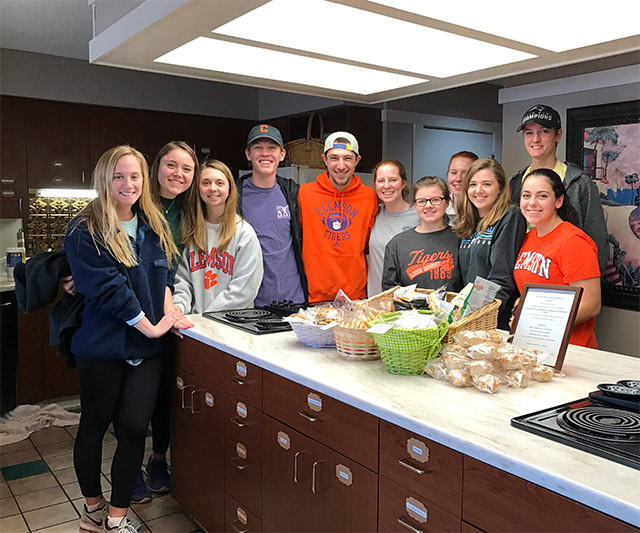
(617, 330)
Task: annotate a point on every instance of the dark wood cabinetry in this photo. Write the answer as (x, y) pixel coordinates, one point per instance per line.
(495, 500)
(13, 159)
(57, 144)
(309, 487)
(197, 434)
(42, 373)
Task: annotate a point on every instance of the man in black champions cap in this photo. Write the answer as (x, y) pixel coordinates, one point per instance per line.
(541, 127)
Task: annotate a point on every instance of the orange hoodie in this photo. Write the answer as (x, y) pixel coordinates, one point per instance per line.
(335, 231)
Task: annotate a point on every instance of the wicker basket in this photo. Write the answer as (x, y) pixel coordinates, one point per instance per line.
(382, 301)
(355, 344)
(314, 336)
(308, 151)
(405, 351)
(483, 319)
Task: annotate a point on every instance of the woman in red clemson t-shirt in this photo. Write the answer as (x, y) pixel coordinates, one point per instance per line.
(556, 251)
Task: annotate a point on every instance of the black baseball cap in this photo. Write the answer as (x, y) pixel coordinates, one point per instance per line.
(541, 114)
(265, 131)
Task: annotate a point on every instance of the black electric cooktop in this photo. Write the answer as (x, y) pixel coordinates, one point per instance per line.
(601, 425)
(256, 321)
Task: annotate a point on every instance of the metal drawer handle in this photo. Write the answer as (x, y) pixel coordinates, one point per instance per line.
(237, 422)
(6, 304)
(295, 466)
(407, 464)
(238, 380)
(182, 405)
(402, 522)
(193, 402)
(309, 417)
(234, 462)
(237, 529)
(314, 469)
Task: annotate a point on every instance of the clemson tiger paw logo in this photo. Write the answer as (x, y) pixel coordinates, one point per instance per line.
(210, 280)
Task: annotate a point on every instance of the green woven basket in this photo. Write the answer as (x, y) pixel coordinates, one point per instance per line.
(405, 351)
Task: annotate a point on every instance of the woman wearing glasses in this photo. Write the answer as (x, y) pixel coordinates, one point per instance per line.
(492, 230)
(428, 254)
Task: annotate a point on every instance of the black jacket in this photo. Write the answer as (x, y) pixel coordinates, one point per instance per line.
(37, 283)
(290, 190)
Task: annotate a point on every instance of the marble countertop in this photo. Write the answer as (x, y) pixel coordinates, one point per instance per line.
(474, 423)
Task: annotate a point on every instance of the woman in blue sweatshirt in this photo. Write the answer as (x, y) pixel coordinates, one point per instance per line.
(492, 230)
(119, 248)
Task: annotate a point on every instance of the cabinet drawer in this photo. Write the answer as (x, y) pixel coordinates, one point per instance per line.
(242, 421)
(423, 466)
(494, 500)
(200, 360)
(402, 510)
(243, 380)
(346, 429)
(238, 518)
(243, 473)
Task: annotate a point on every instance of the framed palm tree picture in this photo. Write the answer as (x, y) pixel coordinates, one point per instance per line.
(604, 141)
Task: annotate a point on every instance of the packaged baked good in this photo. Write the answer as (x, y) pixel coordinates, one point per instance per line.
(486, 383)
(518, 379)
(467, 338)
(484, 350)
(542, 373)
(516, 359)
(498, 336)
(484, 366)
(460, 301)
(436, 369)
(454, 360)
(460, 377)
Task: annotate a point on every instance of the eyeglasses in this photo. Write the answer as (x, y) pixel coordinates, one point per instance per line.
(435, 202)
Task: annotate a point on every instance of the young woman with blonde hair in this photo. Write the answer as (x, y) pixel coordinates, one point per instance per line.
(172, 174)
(492, 230)
(221, 265)
(119, 248)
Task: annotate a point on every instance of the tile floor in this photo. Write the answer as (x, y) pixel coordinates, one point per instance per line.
(39, 490)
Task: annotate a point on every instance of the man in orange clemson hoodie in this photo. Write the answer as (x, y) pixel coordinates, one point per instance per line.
(337, 212)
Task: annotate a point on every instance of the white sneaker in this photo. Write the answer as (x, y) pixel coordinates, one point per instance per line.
(94, 520)
(126, 525)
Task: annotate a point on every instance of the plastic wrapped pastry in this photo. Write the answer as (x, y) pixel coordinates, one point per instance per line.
(486, 383)
(518, 379)
(542, 373)
(460, 377)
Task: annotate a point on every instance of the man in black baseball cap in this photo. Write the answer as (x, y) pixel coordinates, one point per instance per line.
(541, 130)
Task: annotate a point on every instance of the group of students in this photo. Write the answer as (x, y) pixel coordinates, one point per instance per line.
(189, 238)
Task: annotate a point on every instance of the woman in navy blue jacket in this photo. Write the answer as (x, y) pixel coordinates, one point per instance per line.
(119, 248)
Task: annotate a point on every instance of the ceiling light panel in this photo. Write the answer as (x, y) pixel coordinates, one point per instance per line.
(353, 34)
(550, 24)
(240, 59)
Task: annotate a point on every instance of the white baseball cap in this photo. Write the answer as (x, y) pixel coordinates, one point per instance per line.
(331, 142)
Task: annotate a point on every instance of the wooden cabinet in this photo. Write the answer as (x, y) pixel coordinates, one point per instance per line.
(422, 466)
(57, 145)
(197, 434)
(494, 500)
(309, 487)
(243, 433)
(42, 373)
(342, 427)
(13, 159)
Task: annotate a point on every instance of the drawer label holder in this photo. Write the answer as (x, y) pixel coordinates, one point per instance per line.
(344, 475)
(241, 409)
(242, 516)
(314, 401)
(241, 369)
(283, 440)
(417, 450)
(241, 450)
(416, 510)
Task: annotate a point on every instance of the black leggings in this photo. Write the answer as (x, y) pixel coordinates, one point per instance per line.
(160, 425)
(114, 391)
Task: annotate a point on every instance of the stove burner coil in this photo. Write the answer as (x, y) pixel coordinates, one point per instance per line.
(602, 422)
(247, 315)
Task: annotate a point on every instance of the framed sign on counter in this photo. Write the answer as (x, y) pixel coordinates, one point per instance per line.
(544, 320)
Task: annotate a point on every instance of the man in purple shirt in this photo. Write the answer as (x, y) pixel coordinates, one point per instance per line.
(270, 203)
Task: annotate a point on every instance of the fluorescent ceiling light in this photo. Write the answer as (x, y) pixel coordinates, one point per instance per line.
(66, 193)
(550, 24)
(340, 31)
(223, 56)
